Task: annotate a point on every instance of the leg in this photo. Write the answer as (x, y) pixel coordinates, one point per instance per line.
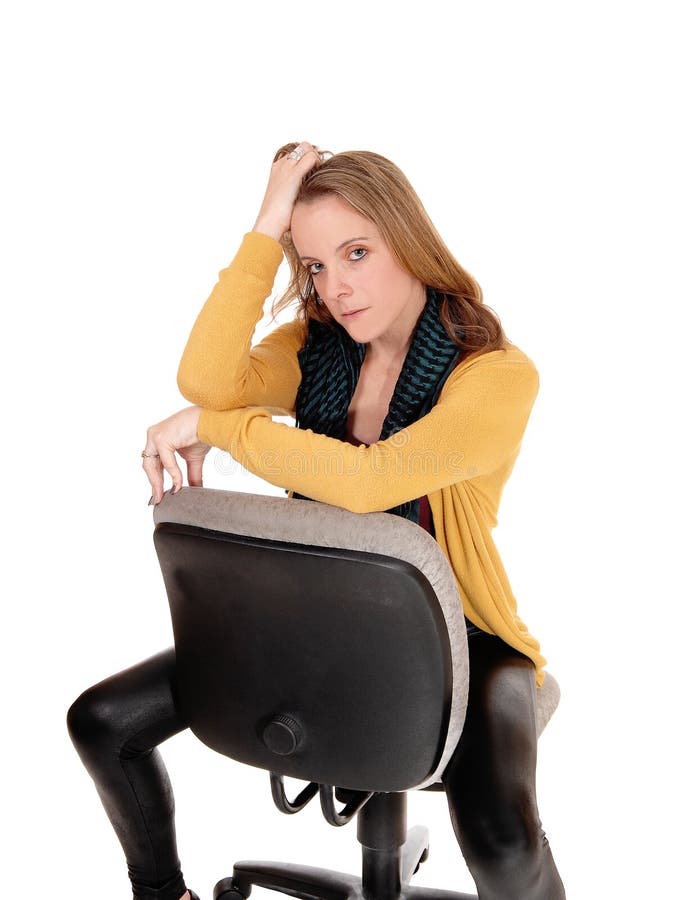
(115, 727)
(490, 781)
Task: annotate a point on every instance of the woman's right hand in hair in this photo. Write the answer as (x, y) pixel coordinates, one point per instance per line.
(284, 183)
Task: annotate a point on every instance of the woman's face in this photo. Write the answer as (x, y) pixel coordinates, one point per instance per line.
(355, 273)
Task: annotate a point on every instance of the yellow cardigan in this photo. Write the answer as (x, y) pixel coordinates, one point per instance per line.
(460, 454)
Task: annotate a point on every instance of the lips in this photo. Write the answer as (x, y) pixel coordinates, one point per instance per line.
(355, 312)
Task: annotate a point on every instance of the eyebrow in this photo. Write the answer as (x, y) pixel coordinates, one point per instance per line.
(353, 240)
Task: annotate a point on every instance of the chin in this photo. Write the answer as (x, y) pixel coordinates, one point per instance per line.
(361, 335)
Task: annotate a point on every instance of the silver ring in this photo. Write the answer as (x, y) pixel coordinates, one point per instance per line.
(297, 153)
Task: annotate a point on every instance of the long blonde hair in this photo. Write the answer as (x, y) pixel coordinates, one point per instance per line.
(379, 191)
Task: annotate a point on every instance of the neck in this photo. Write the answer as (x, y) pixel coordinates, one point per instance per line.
(386, 357)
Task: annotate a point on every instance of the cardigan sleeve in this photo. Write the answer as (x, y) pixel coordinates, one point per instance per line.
(476, 426)
(219, 368)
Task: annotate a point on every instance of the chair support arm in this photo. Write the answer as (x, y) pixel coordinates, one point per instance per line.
(352, 807)
(289, 807)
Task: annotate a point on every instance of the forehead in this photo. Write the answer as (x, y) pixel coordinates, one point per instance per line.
(325, 222)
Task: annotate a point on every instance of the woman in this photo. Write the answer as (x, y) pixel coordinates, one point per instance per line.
(408, 398)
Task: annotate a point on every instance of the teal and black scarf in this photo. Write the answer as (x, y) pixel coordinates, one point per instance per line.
(330, 363)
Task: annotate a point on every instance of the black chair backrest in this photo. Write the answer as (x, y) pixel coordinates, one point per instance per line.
(304, 652)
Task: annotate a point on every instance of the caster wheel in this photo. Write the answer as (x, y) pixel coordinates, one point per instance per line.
(226, 889)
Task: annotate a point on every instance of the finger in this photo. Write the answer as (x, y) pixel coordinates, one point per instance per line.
(169, 463)
(194, 472)
(305, 156)
(312, 159)
(154, 472)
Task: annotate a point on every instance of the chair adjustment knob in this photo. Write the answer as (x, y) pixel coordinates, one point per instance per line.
(282, 735)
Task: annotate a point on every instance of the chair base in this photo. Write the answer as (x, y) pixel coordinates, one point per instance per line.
(309, 883)
(386, 876)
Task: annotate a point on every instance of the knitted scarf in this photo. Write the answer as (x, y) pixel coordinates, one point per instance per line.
(330, 364)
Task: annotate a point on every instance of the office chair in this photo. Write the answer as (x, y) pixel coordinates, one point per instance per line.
(327, 646)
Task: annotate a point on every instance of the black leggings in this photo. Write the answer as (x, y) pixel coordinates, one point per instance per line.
(490, 781)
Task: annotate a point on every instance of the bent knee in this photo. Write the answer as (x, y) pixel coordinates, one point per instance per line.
(504, 845)
(92, 720)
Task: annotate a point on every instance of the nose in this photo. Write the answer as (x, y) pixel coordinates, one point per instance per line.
(335, 288)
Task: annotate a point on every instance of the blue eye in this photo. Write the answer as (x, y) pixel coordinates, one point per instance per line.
(360, 251)
(315, 268)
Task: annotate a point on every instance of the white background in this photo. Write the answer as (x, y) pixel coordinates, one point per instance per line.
(548, 142)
